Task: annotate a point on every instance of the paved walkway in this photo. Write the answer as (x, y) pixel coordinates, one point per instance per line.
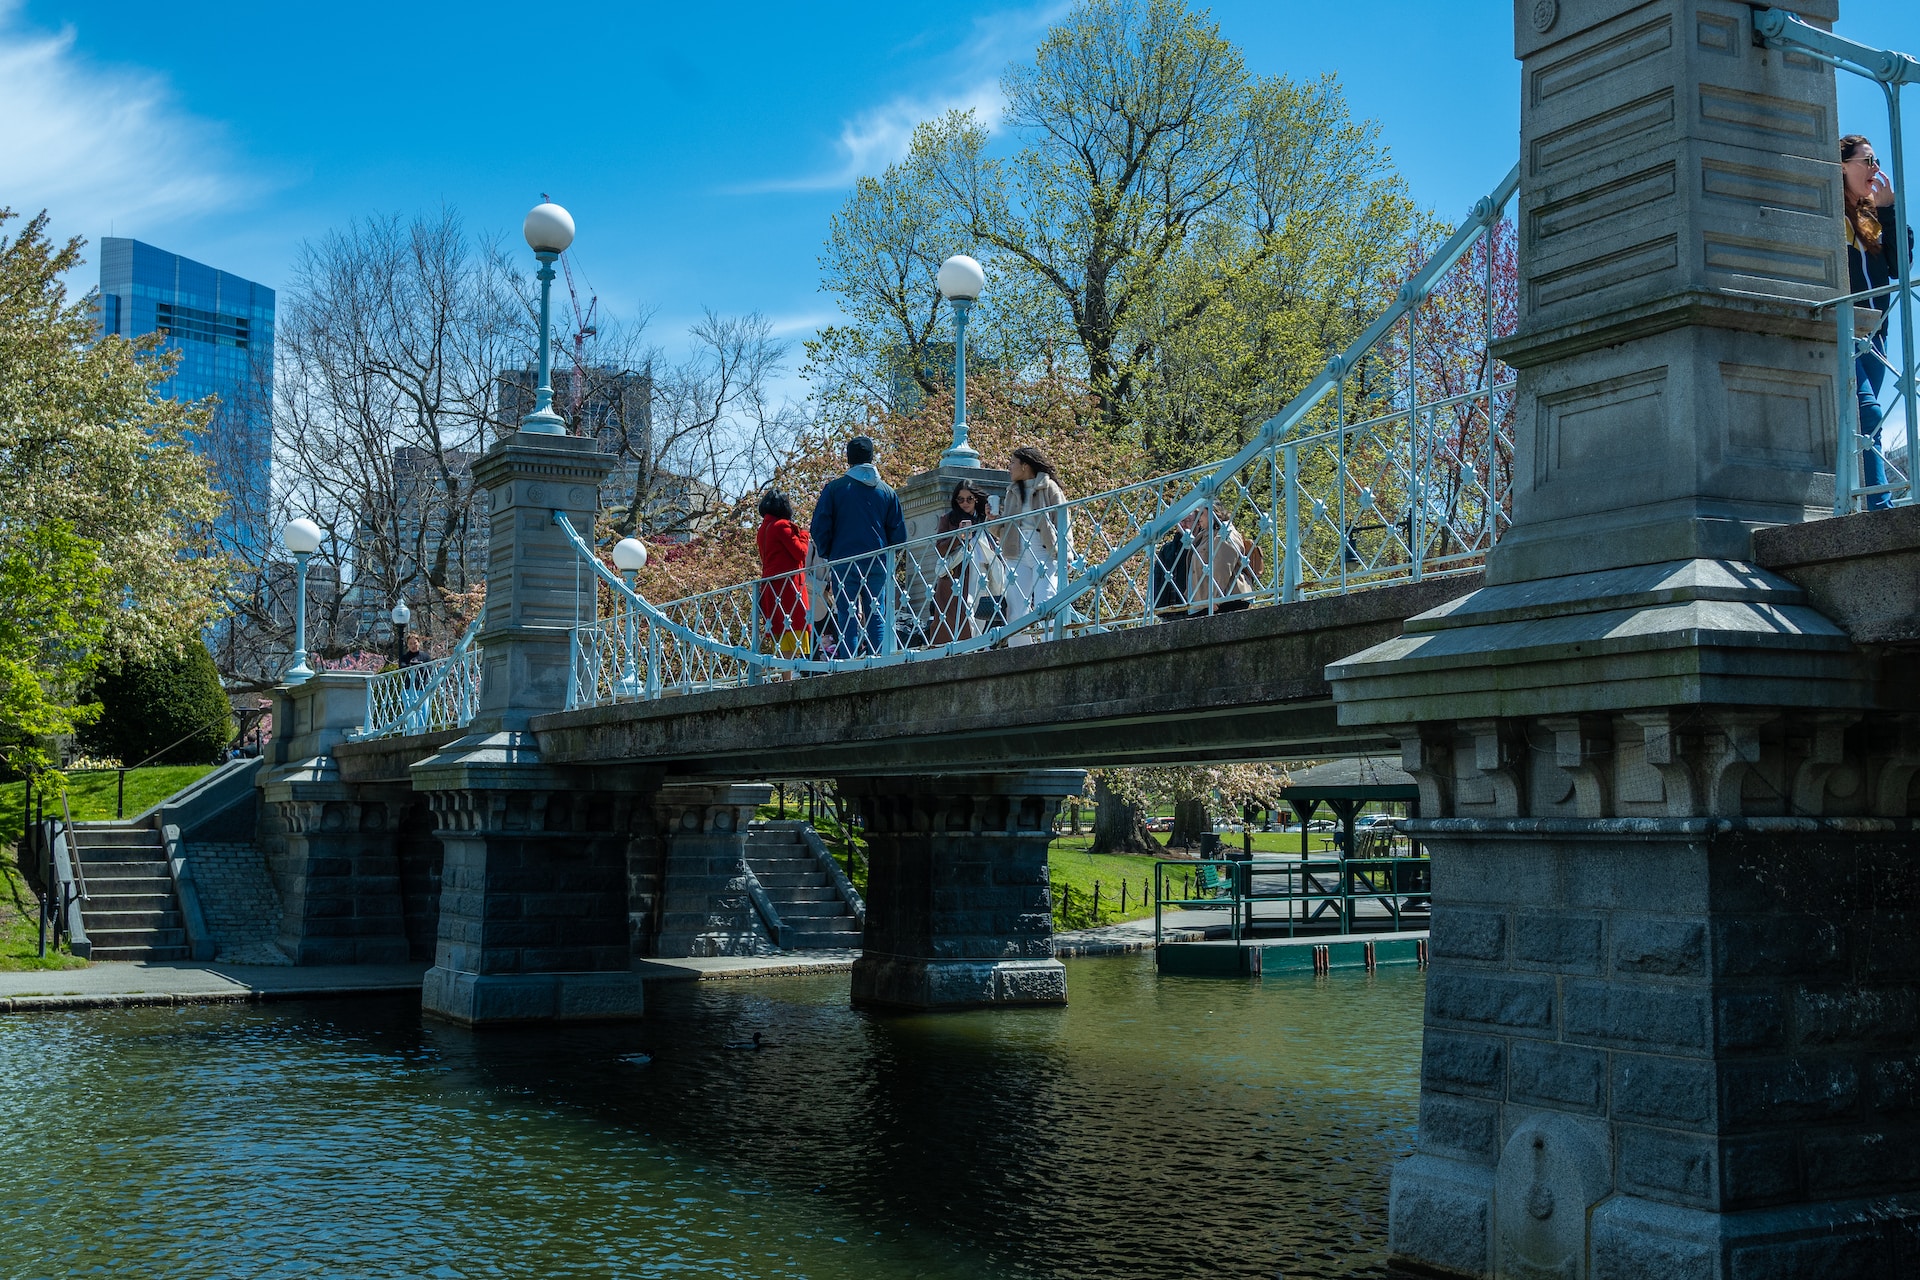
(1133, 935)
(175, 982)
(169, 982)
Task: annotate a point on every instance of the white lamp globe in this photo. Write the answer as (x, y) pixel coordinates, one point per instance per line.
(302, 536)
(629, 555)
(548, 229)
(961, 278)
(401, 615)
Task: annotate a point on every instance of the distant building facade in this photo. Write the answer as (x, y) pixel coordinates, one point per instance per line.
(222, 326)
(435, 513)
(615, 406)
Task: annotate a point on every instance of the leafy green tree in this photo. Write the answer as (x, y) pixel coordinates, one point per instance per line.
(1190, 240)
(170, 706)
(53, 596)
(101, 498)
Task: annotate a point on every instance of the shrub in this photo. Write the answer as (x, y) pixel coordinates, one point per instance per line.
(172, 704)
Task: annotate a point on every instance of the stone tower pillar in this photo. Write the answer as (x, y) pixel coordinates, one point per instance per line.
(534, 914)
(1669, 804)
(1679, 195)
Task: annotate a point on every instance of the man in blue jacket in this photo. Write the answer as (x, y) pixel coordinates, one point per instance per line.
(857, 515)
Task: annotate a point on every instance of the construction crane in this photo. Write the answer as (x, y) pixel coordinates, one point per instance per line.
(583, 328)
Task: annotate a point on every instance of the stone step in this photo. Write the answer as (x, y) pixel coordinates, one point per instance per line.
(761, 838)
(798, 862)
(783, 880)
(94, 869)
(137, 937)
(158, 916)
(91, 851)
(813, 911)
(139, 953)
(112, 885)
(817, 893)
(98, 901)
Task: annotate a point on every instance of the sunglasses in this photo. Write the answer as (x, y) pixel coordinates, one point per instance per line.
(1869, 161)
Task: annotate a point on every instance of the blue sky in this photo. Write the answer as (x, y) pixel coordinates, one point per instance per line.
(701, 147)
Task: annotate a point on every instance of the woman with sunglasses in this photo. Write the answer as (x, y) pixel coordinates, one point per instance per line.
(958, 586)
(1874, 260)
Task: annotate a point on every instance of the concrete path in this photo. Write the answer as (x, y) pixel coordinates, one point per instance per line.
(1134, 935)
(179, 982)
(169, 982)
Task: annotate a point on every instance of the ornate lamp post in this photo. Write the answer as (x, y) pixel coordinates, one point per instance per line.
(401, 616)
(302, 537)
(549, 230)
(630, 557)
(961, 281)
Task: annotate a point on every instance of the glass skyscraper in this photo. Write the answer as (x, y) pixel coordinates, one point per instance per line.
(222, 326)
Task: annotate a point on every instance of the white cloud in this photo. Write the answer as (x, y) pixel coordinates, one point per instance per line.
(100, 147)
(878, 137)
(802, 324)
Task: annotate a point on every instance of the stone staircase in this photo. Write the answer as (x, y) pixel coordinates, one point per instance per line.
(130, 910)
(813, 907)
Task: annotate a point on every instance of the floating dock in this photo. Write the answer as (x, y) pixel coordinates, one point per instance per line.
(1289, 957)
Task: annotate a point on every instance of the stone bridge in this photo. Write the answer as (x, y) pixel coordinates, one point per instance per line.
(1667, 747)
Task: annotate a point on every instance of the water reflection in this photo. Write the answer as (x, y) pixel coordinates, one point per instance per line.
(1154, 1128)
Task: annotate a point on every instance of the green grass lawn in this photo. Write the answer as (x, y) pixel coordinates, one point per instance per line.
(19, 923)
(92, 798)
(92, 795)
(1073, 872)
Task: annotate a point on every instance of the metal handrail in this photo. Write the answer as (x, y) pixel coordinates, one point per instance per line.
(1891, 70)
(1241, 894)
(398, 700)
(73, 846)
(717, 634)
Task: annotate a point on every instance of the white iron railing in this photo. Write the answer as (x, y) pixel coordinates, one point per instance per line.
(1392, 465)
(442, 694)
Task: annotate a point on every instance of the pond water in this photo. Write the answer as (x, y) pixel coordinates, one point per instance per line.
(1156, 1127)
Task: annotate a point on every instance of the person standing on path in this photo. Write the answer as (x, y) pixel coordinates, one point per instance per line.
(783, 579)
(856, 519)
(1874, 260)
(1031, 540)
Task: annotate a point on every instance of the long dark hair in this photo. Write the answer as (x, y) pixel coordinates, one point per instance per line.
(774, 506)
(978, 515)
(1864, 218)
(1034, 456)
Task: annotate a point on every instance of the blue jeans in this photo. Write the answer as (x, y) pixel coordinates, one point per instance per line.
(1869, 371)
(859, 587)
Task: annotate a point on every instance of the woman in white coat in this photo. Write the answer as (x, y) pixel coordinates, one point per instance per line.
(1030, 541)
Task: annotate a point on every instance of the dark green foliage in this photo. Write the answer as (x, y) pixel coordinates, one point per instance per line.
(172, 705)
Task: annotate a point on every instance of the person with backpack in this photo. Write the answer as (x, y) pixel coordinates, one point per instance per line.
(854, 522)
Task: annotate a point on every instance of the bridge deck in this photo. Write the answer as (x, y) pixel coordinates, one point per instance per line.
(1238, 686)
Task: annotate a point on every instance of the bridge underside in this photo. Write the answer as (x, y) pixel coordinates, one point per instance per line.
(1239, 686)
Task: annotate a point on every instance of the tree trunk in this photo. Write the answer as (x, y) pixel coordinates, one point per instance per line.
(1073, 807)
(1117, 827)
(1189, 821)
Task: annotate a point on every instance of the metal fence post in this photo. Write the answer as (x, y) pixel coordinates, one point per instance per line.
(1290, 581)
(1062, 564)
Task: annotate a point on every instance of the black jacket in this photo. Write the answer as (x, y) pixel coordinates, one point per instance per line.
(1872, 269)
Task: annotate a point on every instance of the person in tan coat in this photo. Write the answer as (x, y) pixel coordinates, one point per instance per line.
(1223, 570)
(1030, 541)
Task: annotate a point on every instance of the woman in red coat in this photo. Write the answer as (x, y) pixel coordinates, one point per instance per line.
(783, 582)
